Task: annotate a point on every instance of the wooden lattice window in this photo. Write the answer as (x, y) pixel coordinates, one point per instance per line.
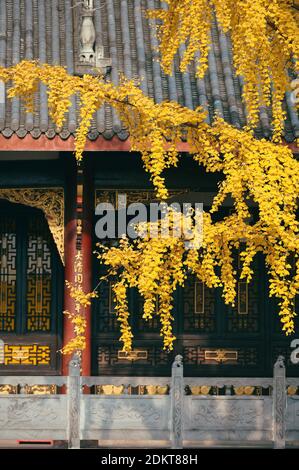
(8, 274)
(29, 266)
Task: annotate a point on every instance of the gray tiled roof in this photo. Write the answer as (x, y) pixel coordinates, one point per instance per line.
(47, 30)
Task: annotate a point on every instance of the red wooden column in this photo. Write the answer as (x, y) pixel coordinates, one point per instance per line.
(70, 239)
(79, 202)
(87, 249)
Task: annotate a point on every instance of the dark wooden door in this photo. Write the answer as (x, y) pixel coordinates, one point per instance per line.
(213, 338)
(31, 285)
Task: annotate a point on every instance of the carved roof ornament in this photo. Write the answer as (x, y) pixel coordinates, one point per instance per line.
(91, 53)
(87, 34)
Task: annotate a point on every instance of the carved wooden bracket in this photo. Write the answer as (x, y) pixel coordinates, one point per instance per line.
(50, 201)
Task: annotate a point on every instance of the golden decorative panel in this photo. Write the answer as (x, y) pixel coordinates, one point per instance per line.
(29, 354)
(134, 355)
(50, 201)
(200, 389)
(244, 390)
(8, 389)
(138, 390)
(221, 355)
(40, 389)
(109, 389)
(156, 389)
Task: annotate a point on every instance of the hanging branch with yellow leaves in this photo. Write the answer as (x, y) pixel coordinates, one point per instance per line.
(254, 170)
(77, 317)
(265, 45)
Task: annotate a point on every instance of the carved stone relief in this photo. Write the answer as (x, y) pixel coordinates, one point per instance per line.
(32, 413)
(228, 413)
(126, 413)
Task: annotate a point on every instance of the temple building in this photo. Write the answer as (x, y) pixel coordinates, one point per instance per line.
(45, 202)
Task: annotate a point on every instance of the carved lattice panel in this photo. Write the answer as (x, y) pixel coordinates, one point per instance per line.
(153, 325)
(103, 306)
(198, 308)
(153, 356)
(8, 254)
(246, 315)
(212, 337)
(233, 356)
(29, 355)
(106, 319)
(104, 310)
(39, 274)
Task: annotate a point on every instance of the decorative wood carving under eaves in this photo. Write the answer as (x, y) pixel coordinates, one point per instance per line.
(50, 201)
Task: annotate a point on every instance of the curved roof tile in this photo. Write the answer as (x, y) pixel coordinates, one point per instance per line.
(48, 31)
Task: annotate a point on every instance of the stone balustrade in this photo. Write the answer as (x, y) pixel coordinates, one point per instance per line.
(173, 411)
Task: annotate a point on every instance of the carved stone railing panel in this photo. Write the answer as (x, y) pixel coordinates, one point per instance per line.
(292, 413)
(224, 413)
(22, 416)
(125, 412)
(188, 413)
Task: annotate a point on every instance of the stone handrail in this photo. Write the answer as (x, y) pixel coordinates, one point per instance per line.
(176, 402)
(33, 380)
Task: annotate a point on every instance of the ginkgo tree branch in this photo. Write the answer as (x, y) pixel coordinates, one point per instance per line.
(263, 171)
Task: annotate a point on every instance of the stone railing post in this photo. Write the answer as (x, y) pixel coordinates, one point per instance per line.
(279, 404)
(74, 396)
(177, 397)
